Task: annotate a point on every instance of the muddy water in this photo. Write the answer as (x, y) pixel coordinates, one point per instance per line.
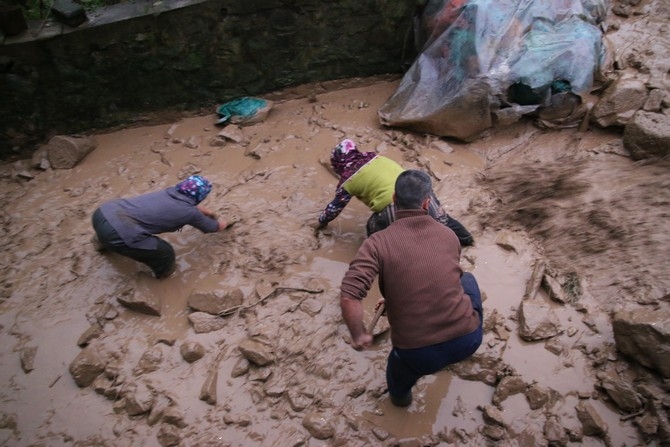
(56, 285)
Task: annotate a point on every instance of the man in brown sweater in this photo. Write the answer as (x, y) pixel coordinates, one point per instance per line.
(433, 307)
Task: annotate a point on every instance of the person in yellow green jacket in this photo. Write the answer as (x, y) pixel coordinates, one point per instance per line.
(371, 178)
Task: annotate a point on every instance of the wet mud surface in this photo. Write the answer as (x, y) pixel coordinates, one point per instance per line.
(276, 370)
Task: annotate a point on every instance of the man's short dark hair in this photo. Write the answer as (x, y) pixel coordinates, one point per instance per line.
(412, 187)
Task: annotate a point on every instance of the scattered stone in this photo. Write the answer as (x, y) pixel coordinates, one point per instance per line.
(554, 432)
(492, 416)
(88, 365)
(203, 322)
(537, 396)
(619, 102)
(647, 135)
(139, 302)
(554, 289)
(241, 367)
(257, 350)
(139, 400)
(170, 132)
(174, 416)
(27, 357)
(318, 425)
(168, 435)
(537, 320)
(191, 351)
(161, 403)
(65, 152)
(233, 133)
(494, 432)
(216, 301)
(508, 240)
(208, 390)
(654, 101)
(592, 423)
(443, 146)
(620, 391)
(193, 142)
(644, 335)
(508, 386)
(149, 362)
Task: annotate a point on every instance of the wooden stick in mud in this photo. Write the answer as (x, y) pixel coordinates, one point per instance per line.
(374, 320)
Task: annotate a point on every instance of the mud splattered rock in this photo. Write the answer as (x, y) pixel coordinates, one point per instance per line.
(93, 332)
(149, 362)
(620, 391)
(240, 368)
(174, 416)
(619, 102)
(191, 351)
(257, 350)
(203, 322)
(592, 422)
(88, 365)
(537, 321)
(139, 302)
(318, 425)
(161, 403)
(168, 435)
(644, 335)
(508, 386)
(647, 135)
(208, 390)
(216, 301)
(139, 399)
(8, 421)
(554, 432)
(27, 357)
(493, 416)
(64, 152)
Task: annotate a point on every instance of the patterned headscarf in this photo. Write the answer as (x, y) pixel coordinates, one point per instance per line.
(346, 159)
(195, 186)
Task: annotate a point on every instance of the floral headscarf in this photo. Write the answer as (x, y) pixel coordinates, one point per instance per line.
(346, 159)
(195, 186)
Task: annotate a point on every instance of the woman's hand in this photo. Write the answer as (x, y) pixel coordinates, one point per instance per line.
(206, 211)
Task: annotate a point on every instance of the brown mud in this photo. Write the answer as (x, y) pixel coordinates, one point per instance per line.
(573, 202)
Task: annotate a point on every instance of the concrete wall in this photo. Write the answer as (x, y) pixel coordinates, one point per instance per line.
(142, 57)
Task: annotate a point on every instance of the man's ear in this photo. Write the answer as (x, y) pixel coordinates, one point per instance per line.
(393, 197)
(425, 204)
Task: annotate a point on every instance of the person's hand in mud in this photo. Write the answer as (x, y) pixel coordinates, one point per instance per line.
(206, 211)
(318, 227)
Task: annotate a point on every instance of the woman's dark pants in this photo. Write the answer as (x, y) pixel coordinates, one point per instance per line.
(405, 366)
(161, 260)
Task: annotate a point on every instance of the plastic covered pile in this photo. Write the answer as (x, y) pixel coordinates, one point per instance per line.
(486, 62)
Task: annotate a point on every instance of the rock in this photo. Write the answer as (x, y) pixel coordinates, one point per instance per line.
(492, 416)
(241, 367)
(233, 133)
(554, 289)
(592, 423)
(146, 304)
(619, 102)
(318, 425)
(537, 321)
(644, 335)
(174, 416)
(203, 322)
(508, 386)
(191, 351)
(168, 435)
(93, 332)
(65, 152)
(554, 432)
(257, 350)
(621, 392)
(208, 390)
(654, 102)
(88, 365)
(139, 400)
(27, 357)
(161, 403)
(149, 362)
(68, 12)
(216, 301)
(647, 135)
(537, 396)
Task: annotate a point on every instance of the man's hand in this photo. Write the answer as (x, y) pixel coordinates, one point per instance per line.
(361, 342)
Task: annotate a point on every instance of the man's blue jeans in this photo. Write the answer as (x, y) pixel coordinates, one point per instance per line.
(405, 366)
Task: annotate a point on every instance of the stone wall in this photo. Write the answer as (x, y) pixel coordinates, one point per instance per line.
(139, 58)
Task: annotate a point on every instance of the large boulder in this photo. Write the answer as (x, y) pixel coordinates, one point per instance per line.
(644, 335)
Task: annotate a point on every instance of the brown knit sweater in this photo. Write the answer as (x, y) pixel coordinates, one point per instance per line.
(417, 260)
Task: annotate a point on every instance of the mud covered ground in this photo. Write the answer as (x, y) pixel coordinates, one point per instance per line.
(276, 370)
